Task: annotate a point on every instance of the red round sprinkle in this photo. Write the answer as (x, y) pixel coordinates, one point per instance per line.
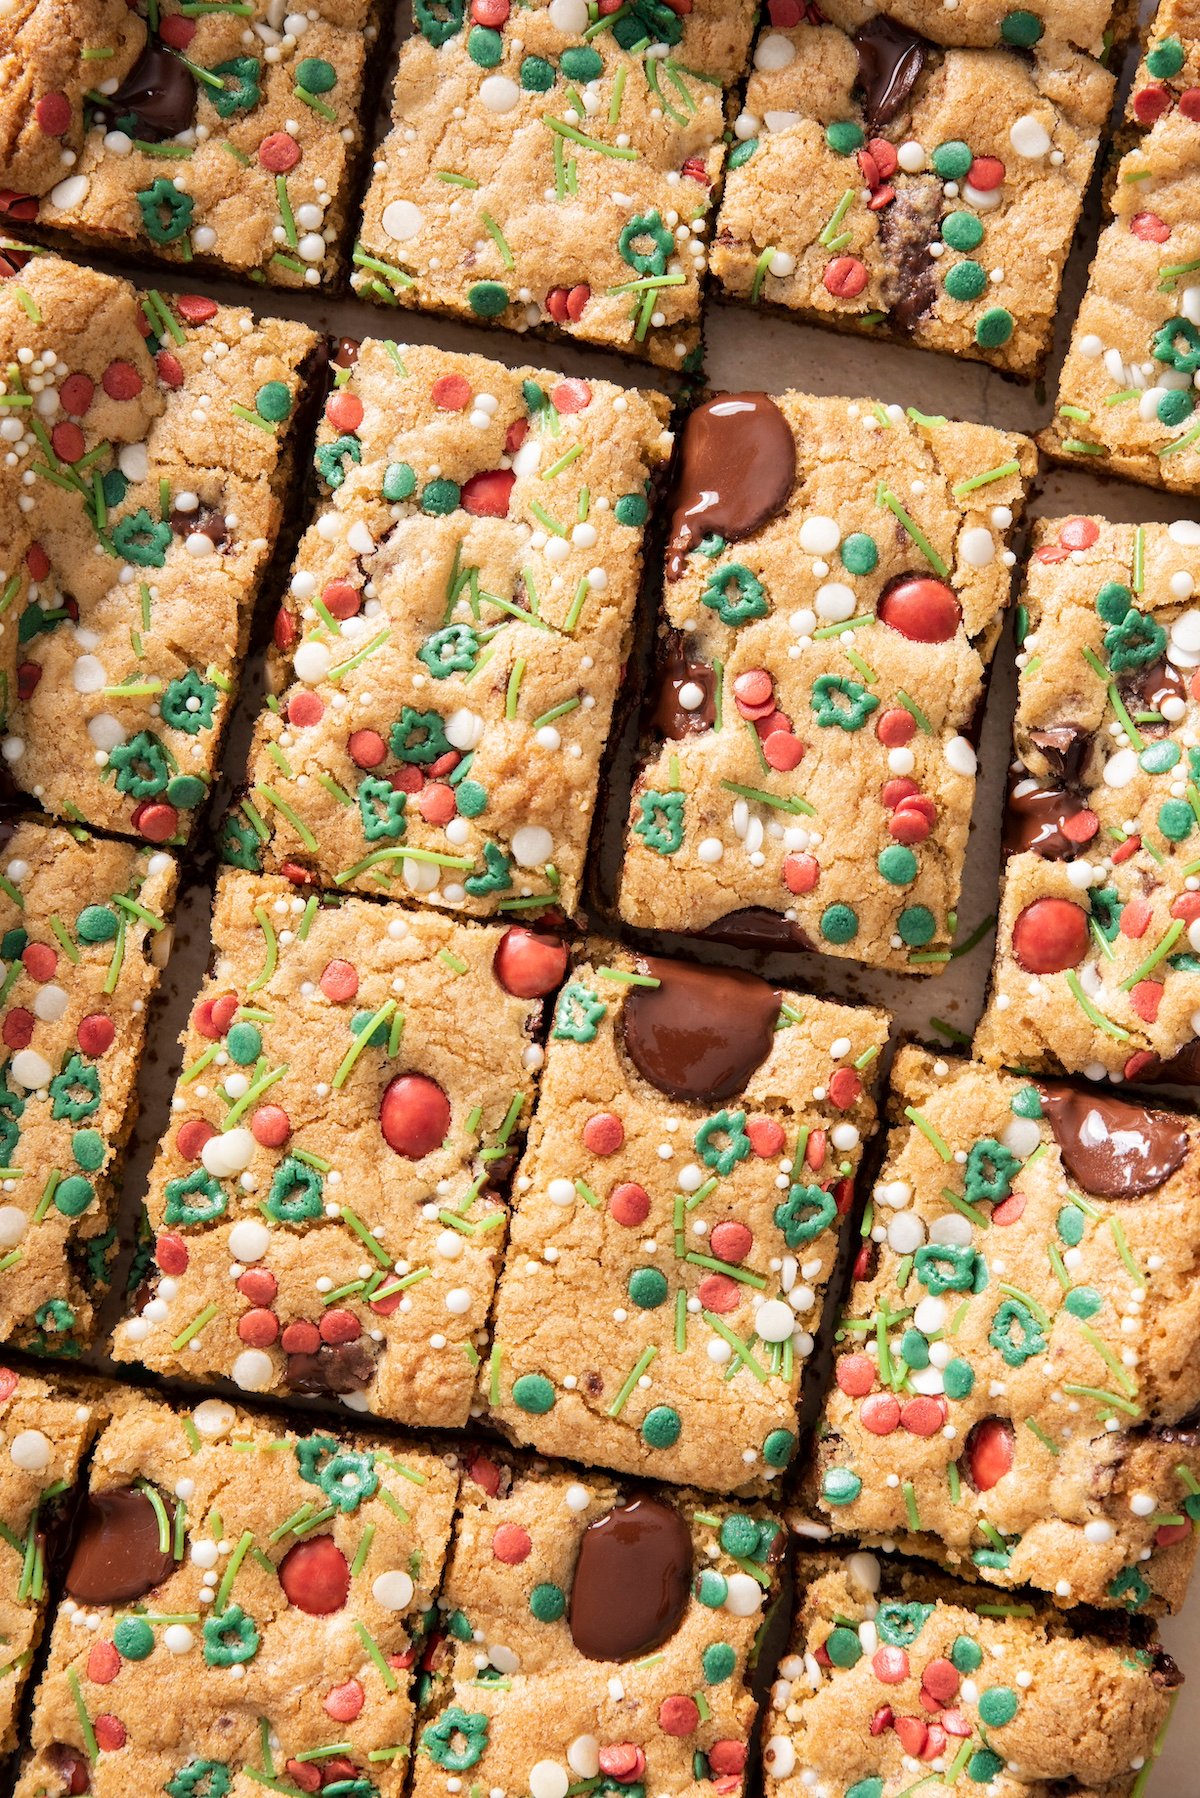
(436, 803)
(340, 1326)
(284, 632)
(367, 748)
(1168, 1533)
(259, 1286)
(95, 1034)
(344, 1702)
(408, 780)
(571, 396)
(157, 821)
(212, 1017)
(629, 1204)
(177, 32)
(485, 1473)
(845, 1088)
(121, 381)
(1189, 103)
(487, 495)
(75, 396)
(195, 308)
(880, 1413)
(344, 411)
(303, 1775)
(18, 1028)
(719, 1292)
(191, 1137)
(1135, 918)
(1149, 227)
(169, 369)
(315, 1575)
(766, 1136)
(908, 825)
(731, 1240)
(492, 13)
(986, 173)
(300, 1338)
(68, 441)
(451, 393)
(991, 1450)
(341, 600)
(414, 1115)
(1149, 103)
(855, 1375)
(1079, 533)
(896, 728)
(912, 1733)
(800, 873)
(890, 1665)
(1187, 907)
(103, 1663)
(305, 709)
(603, 1134)
(39, 961)
(1146, 998)
(279, 153)
(783, 751)
(727, 1758)
(511, 1544)
(53, 114)
(623, 1761)
(445, 764)
(814, 1152)
(920, 608)
(259, 1328)
(678, 1715)
(1051, 935)
(28, 676)
(171, 1253)
(109, 1732)
(339, 981)
(1009, 1210)
(923, 1416)
(955, 1723)
(577, 301)
(896, 791)
(941, 1679)
(754, 688)
(529, 963)
(845, 277)
(883, 155)
(37, 562)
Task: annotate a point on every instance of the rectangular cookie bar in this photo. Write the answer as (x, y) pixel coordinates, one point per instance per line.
(83, 935)
(836, 576)
(243, 1609)
(456, 632)
(899, 1677)
(676, 1219)
(1016, 1376)
(1090, 25)
(356, 1080)
(554, 170)
(595, 1638)
(146, 446)
(887, 185)
(226, 133)
(45, 1429)
(1098, 945)
(1126, 395)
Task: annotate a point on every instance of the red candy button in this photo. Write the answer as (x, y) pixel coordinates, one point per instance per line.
(436, 804)
(367, 748)
(110, 1732)
(341, 600)
(95, 1034)
(68, 441)
(1079, 533)
(766, 1136)
(920, 608)
(511, 1544)
(103, 1663)
(629, 1204)
(881, 1413)
(300, 1338)
(1149, 228)
(156, 821)
(121, 381)
(344, 411)
(339, 980)
(571, 396)
(603, 1134)
(845, 1089)
(890, 1665)
(170, 1253)
(731, 1241)
(451, 393)
(305, 710)
(845, 277)
(191, 1137)
(923, 1416)
(941, 1679)
(271, 1126)
(344, 1702)
(896, 728)
(991, 1449)
(986, 173)
(414, 1115)
(53, 114)
(339, 1327)
(315, 1575)
(1050, 935)
(487, 495)
(279, 153)
(492, 13)
(783, 751)
(719, 1292)
(528, 963)
(727, 1758)
(74, 396)
(855, 1375)
(259, 1327)
(259, 1285)
(195, 308)
(678, 1715)
(1149, 103)
(18, 1028)
(801, 873)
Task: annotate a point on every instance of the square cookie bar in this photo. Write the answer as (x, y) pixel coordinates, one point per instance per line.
(595, 1638)
(836, 577)
(1127, 394)
(144, 448)
(45, 1429)
(1090, 25)
(226, 133)
(1098, 945)
(896, 1673)
(243, 1608)
(83, 934)
(356, 1079)
(1016, 1371)
(677, 1219)
(554, 170)
(456, 632)
(887, 185)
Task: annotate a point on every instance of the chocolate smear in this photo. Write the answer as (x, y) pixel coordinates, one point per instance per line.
(906, 229)
(757, 927)
(1034, 820)
(1114, 1149)
(159, 92)
(671, 718)
(737, 468)
(701, 1032)
(1147, 690)
(117, 1557)
(890, 57)
(632, 1581)
(1065, 748)
(346, 1367)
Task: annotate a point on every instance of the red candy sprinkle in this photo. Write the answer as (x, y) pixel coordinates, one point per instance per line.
(603, 1134)
(259, 1285)
(719, 1292)
(845, 277)
(279, 153)
(339, 980)
(511, 1544)
(53, 114)
(1079, 533)
(920, 608)
(68, 441)
(731, 1241)
(36, 559)
(367, 748)
(74, 396)
(121, 381)
(195, 308)
(890, 1665)
(986, 173)
(191, 1137)
(623, 1761)
(171, 1254)
(912, 1733)
(1189, 103)
(571, 396)
(941, 1679)
(103, 1664)
(109, 1732)
(881, 1413)
(39, 961)
(727, 1757)
(528, 963)
(766, 1136)
(315, 1575)
(485, 1473)
(339, 1327)
(896, 728)
(305, 709)
(487, 495)
(1009, 1210)
(18, 1028)
(300, 1338)
(95, 1034)
(271, 1126)
(344, 1702)
(1149, 103)
(800, 873)
(259, 1328)
(177, 32)
(845, 1089)
(341, 600)
(629, 1204)
(678, 1715)
(451, 393)
(492, 13)
(1051, 935)
(855, 1375)
(414, 1115)
(1146, 998)
(212, 1017)
(1149, 227)
(436, 803)
(754, 688)
(923, 1416)
(344, 411)
(156, 821)
(303, 1775)
(783, 751)
(991, 1449)
(908, 825)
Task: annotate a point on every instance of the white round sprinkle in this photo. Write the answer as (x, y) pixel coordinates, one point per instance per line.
(393, 1589)
(532, 845)
(1029, 137)
(253, 1370)
(231, 1153)
(548, 1779)
(30, 1451)
(402, 221)
(249, 1240)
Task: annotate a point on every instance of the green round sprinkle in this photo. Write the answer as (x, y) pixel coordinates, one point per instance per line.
(484, 47)
(648, 1288)
(632, 509)
(87, 1146)
(917, 926)
(966, 281)
(244, 1043)
(841, 1486)
(316, 75)
(839, 924)
(712, 1589)
(399, 482)
(1166, 59)
(958, 1377)
(470, 798)
(115, 487)
(843, 1647)
(533, 1393)
(966, 1655)
(133, 1639)
(914, 1349)
(379, 1034)
(96, 924)
(661, 1427)
(1158, 758)
(1176, 820)
(73, 1195)
(1174, 406)
(1071, 1225)
(962, 231)
(984, 1766)
(718, 1661)
(1021, 28)
(740, 157)
(186, 791)
(740, 1535)
(952, 160)
(779, 1448)
(866, 1788)
(898, 865)
(582, 64)
(1084, 1302)
(1113, 600)
(537, 75)
(487, 299)
(547, 1602)
(844, 137)
(441, 498)
(994, 329)
(859, 553)
(998, 1706)
(273, 402)
(1027, 1103)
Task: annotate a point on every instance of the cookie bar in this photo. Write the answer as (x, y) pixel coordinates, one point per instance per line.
(145, 445)
(1126, 397)
(895, 1672)
(554, 170)
(356, 1079)
(45, 1430)
(243, 1609)
(1090, 25)
(226, 133)
(890, 186)
(456, 632)
(677, 1219)
(1098, 946)
(83, 933)
(836, 576)
(595, 1638)
(1016, 1370)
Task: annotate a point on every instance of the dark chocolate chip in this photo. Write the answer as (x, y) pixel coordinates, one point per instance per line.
(632, 1581)
(701, 1032)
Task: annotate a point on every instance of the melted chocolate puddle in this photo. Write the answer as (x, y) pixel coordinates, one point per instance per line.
(737, 468)
(890, 57)
(159, 92)
(757, 927)
(672, 719)
(632, 1581)
(1114, 1149)
(701, 1032)
(1034, 822)
(117, 1558)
